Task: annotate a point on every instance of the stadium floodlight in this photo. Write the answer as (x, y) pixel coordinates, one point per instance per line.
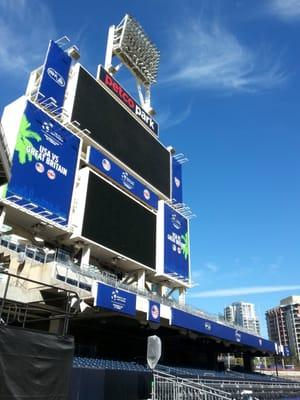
(129, 42)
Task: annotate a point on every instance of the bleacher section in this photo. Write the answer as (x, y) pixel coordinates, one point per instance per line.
(224, 375)
(230, 382)
(85, 362)
(88, 362)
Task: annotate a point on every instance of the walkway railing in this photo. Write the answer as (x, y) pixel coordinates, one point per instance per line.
(171, 387)
(77, 276)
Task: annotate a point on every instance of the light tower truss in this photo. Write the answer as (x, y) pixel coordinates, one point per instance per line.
(129, 42)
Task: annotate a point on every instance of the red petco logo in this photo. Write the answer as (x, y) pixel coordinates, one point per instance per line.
(116, 88)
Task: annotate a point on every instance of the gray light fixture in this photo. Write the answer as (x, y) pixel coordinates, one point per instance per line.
(129, 42)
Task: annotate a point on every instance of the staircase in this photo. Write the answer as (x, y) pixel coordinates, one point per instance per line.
(171, 387)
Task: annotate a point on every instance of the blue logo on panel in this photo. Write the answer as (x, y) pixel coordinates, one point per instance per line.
(44, 166)
(176, 248)
(55, 74)
(115, 299)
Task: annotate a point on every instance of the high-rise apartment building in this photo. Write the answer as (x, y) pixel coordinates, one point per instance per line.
(244, 315)
(283, 324)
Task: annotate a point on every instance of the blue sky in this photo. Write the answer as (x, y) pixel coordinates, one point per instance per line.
(228, 98)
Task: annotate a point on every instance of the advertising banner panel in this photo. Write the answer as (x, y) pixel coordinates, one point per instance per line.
(43, 166)
(153, 311)
(211, 328)
(115, 299)
(55, 74)
(123, 178)
(176, 243)
(127, 100)
(176, 181)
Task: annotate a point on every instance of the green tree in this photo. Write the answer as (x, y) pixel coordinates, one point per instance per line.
(23, 140)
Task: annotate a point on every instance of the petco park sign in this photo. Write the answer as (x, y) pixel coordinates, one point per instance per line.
(126, 99)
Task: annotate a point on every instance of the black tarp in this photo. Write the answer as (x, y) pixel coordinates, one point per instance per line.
(34, 365)
(102, 384)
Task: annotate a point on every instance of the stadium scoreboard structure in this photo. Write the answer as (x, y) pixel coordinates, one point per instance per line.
(90, 172)
(87, 159)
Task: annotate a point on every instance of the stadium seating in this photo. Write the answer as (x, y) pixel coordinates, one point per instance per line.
(223, 375)
(263, 386)
(85, 362)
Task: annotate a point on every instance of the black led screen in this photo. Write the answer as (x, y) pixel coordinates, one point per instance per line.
(117, 222)
(118, 132)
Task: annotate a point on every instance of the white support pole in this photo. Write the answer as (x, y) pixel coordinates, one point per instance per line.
(147, 99)
(181, 298)
(141, 277)
(109, 48)
(85, 257)
(2, 216)
(140, 93)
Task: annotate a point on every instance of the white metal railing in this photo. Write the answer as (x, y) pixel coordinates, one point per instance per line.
(63, 261)
(102, 276)
(171, 387)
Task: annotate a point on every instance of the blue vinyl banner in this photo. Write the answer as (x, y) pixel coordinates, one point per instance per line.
(55, 74)
(115, 299)
(43, 166)
(154, 311)
(110, 169)
(176, 181)
(183, 319)
(176, 244)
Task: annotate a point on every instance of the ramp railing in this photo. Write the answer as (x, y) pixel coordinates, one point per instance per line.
(171, 387)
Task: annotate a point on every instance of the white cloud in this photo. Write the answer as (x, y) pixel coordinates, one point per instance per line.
(285, 9)
(205, 54)
(211, 267)
(168, 119)
(244, 291)
(25, 28)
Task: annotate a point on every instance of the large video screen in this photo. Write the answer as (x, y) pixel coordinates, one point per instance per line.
(118, 132)
(119, 223)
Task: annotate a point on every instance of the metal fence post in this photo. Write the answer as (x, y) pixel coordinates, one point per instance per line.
(4, 296)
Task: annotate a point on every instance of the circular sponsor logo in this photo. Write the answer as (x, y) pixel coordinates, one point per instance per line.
(207, 325)
(154, 311)
(51, 174)
(106, 164)
(146, 194)
(177, 182)
(56, 76)
(238, 336)
(175, 221)
(47, 126)
(39, 167)
(127, 181)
